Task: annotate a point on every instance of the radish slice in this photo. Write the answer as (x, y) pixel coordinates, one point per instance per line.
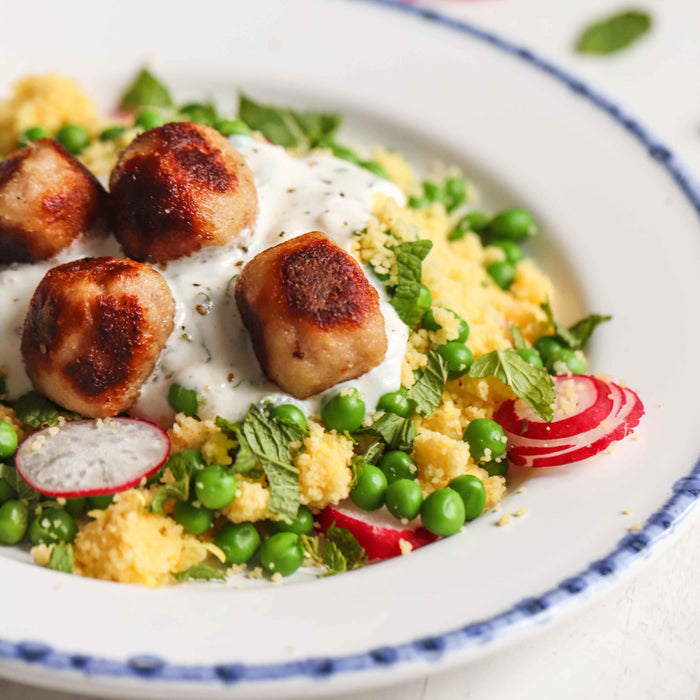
(593, 404)
(624, 415)
(377, 532)
(92, 457)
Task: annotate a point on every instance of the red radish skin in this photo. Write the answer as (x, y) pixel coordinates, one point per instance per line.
(375, 531)
(594, 404)
(117, 454)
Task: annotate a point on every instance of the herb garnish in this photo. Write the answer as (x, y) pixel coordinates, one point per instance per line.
(575, 337)
(24, 491)
(287, 127)
(340, 552)
(181, 469)
(200, 572)
(532, 384)
(37, 411)
(145, 91)
(61, 558)
(397, 432)
(409, 258)
(614, 33)
(428, 388)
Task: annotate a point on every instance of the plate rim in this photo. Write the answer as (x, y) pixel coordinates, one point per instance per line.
(598, 576)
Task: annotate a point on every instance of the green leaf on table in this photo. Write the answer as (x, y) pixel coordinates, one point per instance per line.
(404, 297)
(614, 33)
(427, 391)
(199, 572)
(287, 127)
(145, 91)
(531, 384)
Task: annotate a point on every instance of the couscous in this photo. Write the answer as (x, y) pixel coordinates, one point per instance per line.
(321, 336)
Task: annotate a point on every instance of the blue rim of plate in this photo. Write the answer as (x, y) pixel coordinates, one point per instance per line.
(630, 549)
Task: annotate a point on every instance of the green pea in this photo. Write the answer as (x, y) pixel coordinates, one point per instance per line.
(397, 403)
(425, 297)
(232, 127)
(502, 273)
(471, 490)
(289, 413)
(8, 440)
(32, 134)
(531, 356)
(397, 465)
(458, 356)
(546, 345)
(345, 153)
(419, 202)
(566, 361)
(430, 324)
(73, 137)
(215, 486)
(375, 168)
(195, 520)
(149, 119)
(281, 553)
(303, 525)
(496, 467)
(112, 133)
(238, 542)
(474, 221)
(183, 400)
(369, 489)
(100, 502)
(7, 491)
(442, 512)
(404, 499)
(14, 516)
(76, 506)
(486, 439)
(515, 223)
(455, 192)
(512, 250)
(433, 192)
(52, 526)
(344, 411)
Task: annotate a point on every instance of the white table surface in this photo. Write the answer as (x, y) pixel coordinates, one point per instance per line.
(642, 640)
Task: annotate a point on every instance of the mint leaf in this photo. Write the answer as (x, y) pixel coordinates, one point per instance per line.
(145, 91)
(531, 384)
(347, 546)
(397, 432)
(37, 411)
(518, 342)
(61, 558)
(575, 337)
(311, 546)
(200, 572)
(373, 453)
(245, 461)
(270, 441)
(333, 559)
(286, 127)
(409, 258)
(181, 470)
(614, 33)
(25, 492)
(427, 390)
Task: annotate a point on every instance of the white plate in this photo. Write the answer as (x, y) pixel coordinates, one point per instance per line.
(620, 222)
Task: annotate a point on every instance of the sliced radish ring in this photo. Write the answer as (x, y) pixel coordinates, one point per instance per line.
(377, 532)
(593, 404)
(92, 457)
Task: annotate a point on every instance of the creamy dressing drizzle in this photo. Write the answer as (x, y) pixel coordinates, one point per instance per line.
(209, 349)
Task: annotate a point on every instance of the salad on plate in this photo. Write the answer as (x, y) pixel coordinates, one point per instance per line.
(234, 346)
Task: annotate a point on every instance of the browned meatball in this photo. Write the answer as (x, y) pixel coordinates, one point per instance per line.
(94, 331)
(178, 188)
(313, 317)
(47, 200)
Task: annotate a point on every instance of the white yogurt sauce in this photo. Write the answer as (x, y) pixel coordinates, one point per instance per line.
(209, 349)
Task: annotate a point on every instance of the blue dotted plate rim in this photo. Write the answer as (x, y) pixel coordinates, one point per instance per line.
(629, 550)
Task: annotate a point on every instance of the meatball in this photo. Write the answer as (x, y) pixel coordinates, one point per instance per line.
(313, 317)
(47, 200)
(178, 188)
(94, 331)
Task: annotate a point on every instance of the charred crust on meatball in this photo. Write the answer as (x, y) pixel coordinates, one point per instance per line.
(48, 199)
(177, 188)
